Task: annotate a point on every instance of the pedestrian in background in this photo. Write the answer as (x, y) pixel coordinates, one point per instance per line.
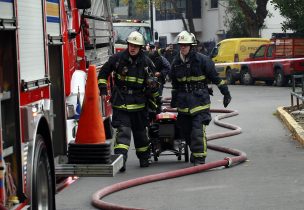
(170, 53)
(189, 72)
(201, 48)
(162, 66)
(133, 87)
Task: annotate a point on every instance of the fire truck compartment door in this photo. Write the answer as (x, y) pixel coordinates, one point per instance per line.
(31, 40)
(53, 19)
(7, 16)
(6, 9)
(99, 31)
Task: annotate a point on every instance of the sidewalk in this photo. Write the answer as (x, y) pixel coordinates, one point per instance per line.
(296, 130)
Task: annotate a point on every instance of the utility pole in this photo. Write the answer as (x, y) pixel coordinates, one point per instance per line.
(130, 9)
(151, 18)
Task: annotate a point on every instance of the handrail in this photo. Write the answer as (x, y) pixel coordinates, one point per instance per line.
(294, 93)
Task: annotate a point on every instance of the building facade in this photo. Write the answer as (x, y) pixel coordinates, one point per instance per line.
(208, 21)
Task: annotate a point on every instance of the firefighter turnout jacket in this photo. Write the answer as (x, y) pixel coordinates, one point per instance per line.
(162, 65)
(189, 82)
(134, 84)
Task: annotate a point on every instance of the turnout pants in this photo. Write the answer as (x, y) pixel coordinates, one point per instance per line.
(193, 130)
(127, 123)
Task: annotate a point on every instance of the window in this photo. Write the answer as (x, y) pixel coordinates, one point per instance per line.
(260, 52)
(166, 9)
(162, 41)
(122, 33)
(269, 51)
(213, 4)
(214, 52)
(196, 9)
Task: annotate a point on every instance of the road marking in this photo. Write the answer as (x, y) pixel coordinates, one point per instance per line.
(193, 189)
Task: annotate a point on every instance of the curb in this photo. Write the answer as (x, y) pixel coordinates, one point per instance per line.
(296, 130)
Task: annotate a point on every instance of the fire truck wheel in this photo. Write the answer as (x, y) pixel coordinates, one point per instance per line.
(43, 195)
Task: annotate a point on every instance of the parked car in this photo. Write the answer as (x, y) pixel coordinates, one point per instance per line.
(234, 50)
(275, 62)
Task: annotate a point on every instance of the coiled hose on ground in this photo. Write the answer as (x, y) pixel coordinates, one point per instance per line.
(238, 158)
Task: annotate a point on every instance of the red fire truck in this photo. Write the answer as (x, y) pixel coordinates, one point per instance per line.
(45, 48)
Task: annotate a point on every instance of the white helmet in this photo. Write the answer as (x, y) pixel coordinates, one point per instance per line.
(185, 37)
(136, 38)
(194, 38)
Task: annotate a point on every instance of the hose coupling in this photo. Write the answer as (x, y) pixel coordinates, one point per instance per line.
(229, 160)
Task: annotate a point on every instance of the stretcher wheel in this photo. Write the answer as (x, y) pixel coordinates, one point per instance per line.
(180, 152)
(179, 157)
(154, 152)
(186, 152)
(155, 157)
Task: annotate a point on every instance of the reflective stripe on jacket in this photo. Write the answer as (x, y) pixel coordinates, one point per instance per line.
(130, 91)
(196, 71)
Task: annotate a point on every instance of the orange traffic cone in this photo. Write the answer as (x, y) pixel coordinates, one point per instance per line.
(90, 127)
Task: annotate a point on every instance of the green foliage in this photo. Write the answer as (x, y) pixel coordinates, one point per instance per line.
(235, 19)
(141, 5)
(293, 11)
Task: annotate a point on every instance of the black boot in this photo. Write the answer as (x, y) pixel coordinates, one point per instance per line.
(191, 158)
(143, 162)
(123, 168)
(198, 160)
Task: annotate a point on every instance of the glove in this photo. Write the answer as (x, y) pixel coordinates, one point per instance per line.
(210, 91)
(227, 99)
(152, 83)
(102, 90)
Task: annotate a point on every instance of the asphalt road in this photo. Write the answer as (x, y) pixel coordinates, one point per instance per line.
(272, 178)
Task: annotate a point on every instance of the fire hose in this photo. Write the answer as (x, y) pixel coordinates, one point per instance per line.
(238, 158)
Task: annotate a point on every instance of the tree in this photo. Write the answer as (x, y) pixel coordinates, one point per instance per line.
(254, 13)
(141, 8)
(235, 20)
(293, 11)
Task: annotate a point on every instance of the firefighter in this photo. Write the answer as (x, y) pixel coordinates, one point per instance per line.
(162, 66)
(189, 72)
(134, 86)
(170, 53)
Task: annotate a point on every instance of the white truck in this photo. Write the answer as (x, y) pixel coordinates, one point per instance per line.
(122, 28)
